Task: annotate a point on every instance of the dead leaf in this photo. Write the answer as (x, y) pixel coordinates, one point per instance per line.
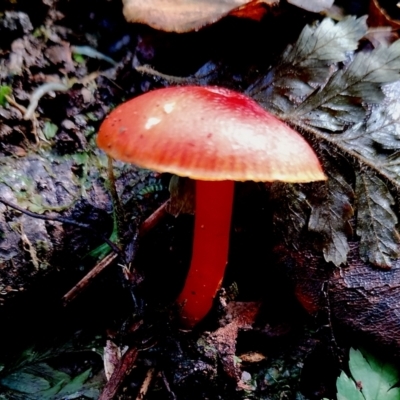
(240, 316)
(188, 15)
(16, 151)
(25, 53)
(252, 357)
(28, 246)
(60, 54)
(112, 355)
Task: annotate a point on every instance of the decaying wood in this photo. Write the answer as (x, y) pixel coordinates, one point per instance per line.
(361, 298)
(51, 213)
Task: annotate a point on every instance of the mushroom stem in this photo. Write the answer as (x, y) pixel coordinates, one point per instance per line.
(210, 249)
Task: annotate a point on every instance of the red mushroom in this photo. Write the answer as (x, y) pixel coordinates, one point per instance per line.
(216, 136)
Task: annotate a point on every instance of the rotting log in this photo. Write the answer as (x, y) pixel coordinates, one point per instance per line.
(358, 297)
(52, 185)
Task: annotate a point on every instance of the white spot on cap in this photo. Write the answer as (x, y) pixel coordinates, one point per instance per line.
(169, 107)
(151, 122)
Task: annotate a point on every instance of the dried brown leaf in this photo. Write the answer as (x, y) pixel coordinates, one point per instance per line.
(60, 54)
(112, 356)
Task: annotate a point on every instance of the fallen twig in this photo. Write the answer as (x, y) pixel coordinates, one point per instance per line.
(119, 214)
(167, 386)
(149, 223)
(88, 278)
(19, 107)
(146, 384)
(92, 53)
(55, 218)
(122, 370)
(146, 69)
(23, 110)
(27, 246)
(39, 92)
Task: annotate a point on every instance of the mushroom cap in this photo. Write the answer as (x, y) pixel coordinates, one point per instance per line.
(207, 133)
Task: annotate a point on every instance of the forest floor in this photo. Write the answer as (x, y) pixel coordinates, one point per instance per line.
(258, 342)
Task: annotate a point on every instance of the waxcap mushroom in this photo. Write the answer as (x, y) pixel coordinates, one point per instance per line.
(207, 133)
(216, 136)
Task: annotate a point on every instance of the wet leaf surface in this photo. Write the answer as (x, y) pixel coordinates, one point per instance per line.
(331, 211)
(376, 221)
(375, 377)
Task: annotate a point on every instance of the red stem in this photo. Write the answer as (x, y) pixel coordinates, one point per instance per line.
(210, 249)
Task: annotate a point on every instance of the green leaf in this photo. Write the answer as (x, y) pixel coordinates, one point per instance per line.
(51, 392)
(5, 90)
(24, 382)
(49, 130)
(76, 384)
(375, 377)
(45, 371)
(78, 58)
(80, 158)
(33, 367)
(376, 221)
(372, 379)
(42, 382)
(347, 389)
(104, 249)
(356, 141)
(331, 211)
(390, 167)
